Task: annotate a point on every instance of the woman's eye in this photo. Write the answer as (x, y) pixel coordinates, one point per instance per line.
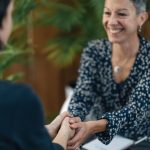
(122, 14)
(107, 13)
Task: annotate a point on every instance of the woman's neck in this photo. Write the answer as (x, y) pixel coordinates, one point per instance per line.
(126, 50)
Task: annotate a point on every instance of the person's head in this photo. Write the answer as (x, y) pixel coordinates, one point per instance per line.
(122, 19)
(6, 8)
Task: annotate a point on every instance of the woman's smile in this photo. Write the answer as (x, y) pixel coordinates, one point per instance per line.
(115, 30)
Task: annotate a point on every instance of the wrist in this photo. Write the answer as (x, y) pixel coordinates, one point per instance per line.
(61, 139)
(51, 130)
(98, 126)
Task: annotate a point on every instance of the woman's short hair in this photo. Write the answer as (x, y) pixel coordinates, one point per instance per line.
(141, 5)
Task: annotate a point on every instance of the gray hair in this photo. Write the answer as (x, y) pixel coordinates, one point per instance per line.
(141, 5)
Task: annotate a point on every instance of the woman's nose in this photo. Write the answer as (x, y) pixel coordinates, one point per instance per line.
(112, 20)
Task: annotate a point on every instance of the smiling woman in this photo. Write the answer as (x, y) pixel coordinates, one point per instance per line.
(122, 21)
(114, 78)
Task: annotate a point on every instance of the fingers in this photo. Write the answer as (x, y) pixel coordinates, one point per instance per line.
(76, 125)
(76, 138)
(74, 143)
(65, 128)
(80, 135)
(74, 120)
(63, 115)
(66, 121)
(73, 147)
(54, 126)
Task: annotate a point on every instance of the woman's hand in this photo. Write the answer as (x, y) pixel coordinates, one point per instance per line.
(65, 129)
(64, 134)
(83, 130)
(54, 126)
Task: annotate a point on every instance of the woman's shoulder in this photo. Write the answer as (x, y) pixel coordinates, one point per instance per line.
(145, 50)
(145, 43)
(98, 47)
(98, 43)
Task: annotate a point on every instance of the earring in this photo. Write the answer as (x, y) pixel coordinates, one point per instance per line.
(140, 29)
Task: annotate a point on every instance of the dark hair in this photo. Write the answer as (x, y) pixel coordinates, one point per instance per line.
(141, 5)
(3, 10)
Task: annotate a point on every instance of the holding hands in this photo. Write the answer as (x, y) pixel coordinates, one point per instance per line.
(83, 130)
(54, 126)
(59, 129)
(66, 130)
(71, 132)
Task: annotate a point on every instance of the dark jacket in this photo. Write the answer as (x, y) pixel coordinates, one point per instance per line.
(21, 120)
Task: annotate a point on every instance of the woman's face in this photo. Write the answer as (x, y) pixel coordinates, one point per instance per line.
(6, 28)
(120, 20)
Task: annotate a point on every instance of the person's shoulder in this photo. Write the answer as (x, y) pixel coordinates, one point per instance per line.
(145, 49)
(98, 47)
(13, 92)
(12, 88)
(145, 42)
(148, 46)
(22, 102)
(98, 43)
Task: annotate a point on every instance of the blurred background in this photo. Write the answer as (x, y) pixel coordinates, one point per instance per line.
(45, 46)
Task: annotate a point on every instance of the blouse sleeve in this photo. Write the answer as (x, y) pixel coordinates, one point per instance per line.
(84, 93)
(134, 113)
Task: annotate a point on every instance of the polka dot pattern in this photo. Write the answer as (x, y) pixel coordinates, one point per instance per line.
(125, 105)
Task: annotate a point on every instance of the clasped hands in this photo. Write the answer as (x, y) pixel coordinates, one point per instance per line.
(71, 128)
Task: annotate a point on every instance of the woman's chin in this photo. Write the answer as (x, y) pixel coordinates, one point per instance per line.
(115, 40)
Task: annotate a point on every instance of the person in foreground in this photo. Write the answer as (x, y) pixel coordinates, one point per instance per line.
(114, 78)
(21, 115)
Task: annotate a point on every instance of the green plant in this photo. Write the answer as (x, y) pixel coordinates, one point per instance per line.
(18, 49)
(15, 51)
(78, 21)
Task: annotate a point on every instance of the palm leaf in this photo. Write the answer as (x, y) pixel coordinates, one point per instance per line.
(79, 22)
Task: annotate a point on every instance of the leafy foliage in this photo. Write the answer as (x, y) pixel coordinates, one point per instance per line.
(17, 51)
(79, 22)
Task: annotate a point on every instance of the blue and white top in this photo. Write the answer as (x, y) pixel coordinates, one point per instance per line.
(125, 105)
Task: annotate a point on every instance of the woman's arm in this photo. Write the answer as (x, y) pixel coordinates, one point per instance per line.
(84, 130)
(134, 113)
(85, 92)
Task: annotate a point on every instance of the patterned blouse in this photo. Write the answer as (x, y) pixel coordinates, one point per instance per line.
(125, 105)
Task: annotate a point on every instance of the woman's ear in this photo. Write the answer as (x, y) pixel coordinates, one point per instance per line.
(142, 18)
